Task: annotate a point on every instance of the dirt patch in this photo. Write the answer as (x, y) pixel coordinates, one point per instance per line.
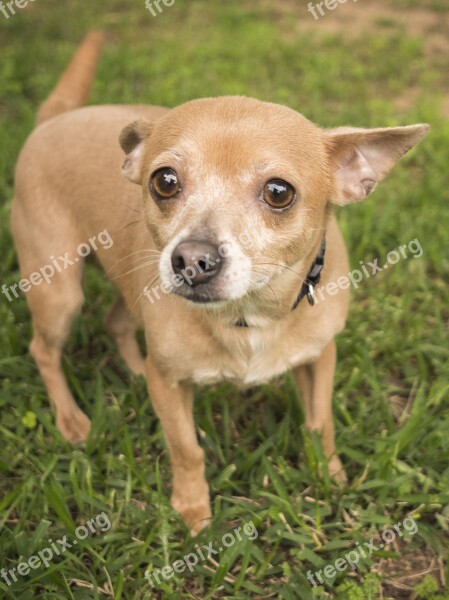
(355, 18)
(401, 575)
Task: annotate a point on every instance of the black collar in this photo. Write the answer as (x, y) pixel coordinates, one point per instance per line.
(310, 282)
(313, 278)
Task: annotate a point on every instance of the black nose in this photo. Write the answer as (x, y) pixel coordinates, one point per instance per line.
(196, 262)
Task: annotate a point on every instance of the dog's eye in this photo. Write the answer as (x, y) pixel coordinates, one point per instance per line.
(277, 193)
(164, 184)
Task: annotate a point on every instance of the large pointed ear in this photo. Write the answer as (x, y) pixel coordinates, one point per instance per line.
(360, 158)
(132, 140)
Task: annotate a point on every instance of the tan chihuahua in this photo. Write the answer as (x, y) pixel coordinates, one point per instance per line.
(235, 198)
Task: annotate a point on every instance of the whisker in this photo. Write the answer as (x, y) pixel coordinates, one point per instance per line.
(147, 264)
(259, 291)
(282, 266)
(143, 289)
(132, 208)
(129, 224)
(132, 254)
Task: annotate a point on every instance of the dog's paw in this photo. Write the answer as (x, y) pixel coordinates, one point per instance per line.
(337, 471)
(73, 425)
(196, 516)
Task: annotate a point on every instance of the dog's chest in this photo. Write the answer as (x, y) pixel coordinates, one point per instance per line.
(256, 359)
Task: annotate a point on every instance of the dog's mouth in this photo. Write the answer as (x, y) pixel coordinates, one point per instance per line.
(201, 294)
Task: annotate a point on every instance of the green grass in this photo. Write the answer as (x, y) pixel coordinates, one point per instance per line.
(392, 382)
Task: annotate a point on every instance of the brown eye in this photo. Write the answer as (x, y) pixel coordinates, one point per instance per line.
(277, 193)
(164, 184)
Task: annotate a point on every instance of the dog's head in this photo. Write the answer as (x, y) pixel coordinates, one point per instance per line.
(237, 190)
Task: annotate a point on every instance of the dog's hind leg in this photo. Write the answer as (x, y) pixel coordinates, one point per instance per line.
(316, 384)
(53, 307)
(119, 324)
(54, 303)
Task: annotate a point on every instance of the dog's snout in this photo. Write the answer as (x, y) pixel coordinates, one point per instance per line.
(196, 262)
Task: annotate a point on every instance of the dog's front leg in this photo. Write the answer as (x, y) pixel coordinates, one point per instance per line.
(316, 384)
(173, 404)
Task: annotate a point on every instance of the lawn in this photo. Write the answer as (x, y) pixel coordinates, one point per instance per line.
(390, 67)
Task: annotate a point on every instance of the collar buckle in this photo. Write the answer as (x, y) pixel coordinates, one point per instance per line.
(311, 294)
(313, 278)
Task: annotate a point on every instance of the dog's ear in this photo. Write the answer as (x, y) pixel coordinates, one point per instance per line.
(360, 158)
(132, 140)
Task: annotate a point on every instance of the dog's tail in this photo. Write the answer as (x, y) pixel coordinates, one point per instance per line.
(74, 87)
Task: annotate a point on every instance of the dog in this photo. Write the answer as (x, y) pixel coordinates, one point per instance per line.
(233, 229)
